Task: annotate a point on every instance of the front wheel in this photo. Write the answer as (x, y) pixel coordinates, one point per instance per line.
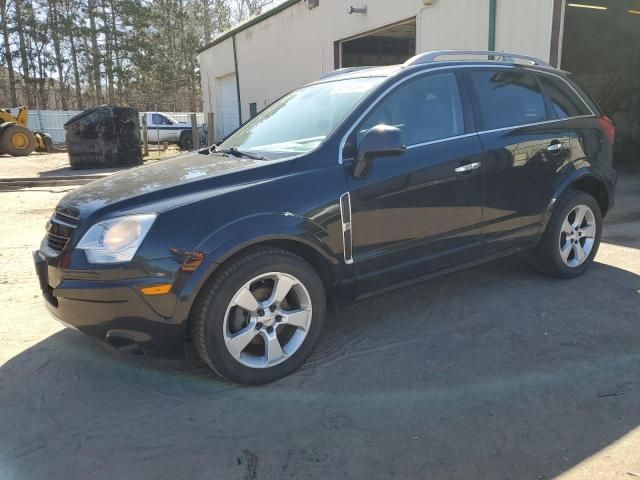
(260, 317)
(572, 237)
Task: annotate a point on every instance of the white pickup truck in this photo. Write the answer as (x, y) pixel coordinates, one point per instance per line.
(161, 127)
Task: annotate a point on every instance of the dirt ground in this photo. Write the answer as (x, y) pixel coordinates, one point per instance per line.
(495, 372)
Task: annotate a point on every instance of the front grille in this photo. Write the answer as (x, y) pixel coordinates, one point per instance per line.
(60, 229)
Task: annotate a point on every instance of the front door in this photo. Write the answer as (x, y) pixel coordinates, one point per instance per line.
(160, 129)
(421, 211)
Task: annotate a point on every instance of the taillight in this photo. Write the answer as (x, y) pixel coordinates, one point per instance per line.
(608, 128)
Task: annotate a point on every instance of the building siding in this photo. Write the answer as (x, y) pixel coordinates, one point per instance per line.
(296, 46)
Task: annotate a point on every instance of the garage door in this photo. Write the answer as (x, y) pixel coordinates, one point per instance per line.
(607, 63)
(227, 105)
(384, 46)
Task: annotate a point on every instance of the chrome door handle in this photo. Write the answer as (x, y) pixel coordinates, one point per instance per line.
(555, 147)
(468, 167)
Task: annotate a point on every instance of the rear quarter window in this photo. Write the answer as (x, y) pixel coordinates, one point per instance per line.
(586, 96)
(563, 100)
(508, 98)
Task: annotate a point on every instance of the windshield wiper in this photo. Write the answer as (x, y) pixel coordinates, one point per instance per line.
(240, 153)
(230, 151)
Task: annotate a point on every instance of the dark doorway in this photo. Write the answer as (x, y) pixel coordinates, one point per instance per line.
(600, 47)
(387, 46)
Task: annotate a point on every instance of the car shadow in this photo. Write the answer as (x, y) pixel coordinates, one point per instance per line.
(495, 372)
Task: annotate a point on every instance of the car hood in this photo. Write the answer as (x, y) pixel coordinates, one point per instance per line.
(163, 181)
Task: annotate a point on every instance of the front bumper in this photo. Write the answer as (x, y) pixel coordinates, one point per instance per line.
(113, 311)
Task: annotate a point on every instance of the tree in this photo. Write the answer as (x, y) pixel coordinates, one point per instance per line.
(8, 55)
(71, 54)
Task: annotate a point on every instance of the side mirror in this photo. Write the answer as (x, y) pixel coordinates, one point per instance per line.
(379, 141)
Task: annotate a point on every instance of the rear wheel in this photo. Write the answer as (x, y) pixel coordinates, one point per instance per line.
(17, 141)
(260, 317)
(571, 240)
(186, 140)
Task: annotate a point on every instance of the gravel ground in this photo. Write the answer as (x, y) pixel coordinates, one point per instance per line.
(495, 372)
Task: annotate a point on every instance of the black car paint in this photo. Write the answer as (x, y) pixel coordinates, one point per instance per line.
(412, 216)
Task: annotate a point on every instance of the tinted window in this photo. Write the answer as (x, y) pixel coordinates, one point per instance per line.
(159, 119)
(425, 109)
(301, 120)
(508, 98)
(586, 96)
(564, 102)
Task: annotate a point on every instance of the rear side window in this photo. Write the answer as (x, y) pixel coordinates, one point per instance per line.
(586, 96)
(564, 102)
(508, 98)
(426, 109)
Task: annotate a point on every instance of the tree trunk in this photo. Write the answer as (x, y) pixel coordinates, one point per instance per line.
(116, 47)
(95, 51)
(108, 52)
(55, 36)
(206, 18)
(86, 53)
(23, 54)
(76, 74)
(71, 29)
(4, 11)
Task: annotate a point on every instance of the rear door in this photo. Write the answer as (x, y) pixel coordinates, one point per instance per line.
(525, 146)
(421, 211)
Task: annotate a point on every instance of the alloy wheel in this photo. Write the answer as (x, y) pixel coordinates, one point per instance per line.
(577, 236)
(267, 320)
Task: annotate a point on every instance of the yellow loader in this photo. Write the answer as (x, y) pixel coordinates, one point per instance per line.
(15, 137)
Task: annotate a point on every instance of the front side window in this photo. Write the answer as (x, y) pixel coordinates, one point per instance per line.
(508, 98)
(564, 102)
(300, 121)
(426, 109)
(159, 119)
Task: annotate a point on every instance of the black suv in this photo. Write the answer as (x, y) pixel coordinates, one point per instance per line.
(365, 180)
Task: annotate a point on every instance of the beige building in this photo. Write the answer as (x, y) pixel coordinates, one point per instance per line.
(255, 63)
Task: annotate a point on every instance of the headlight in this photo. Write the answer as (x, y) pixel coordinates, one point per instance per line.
(116, 240)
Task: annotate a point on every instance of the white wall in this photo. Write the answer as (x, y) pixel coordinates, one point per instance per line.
(296, 46)
(524, 26)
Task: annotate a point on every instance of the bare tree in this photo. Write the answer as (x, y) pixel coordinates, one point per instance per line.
(8, 56)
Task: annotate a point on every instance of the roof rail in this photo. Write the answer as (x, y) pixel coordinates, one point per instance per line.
(341, 71)
(429, 57)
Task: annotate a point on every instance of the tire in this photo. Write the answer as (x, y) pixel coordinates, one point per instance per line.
(186, 141)
(17, 141)
(46, 143)
(222, 326)
(548, 257)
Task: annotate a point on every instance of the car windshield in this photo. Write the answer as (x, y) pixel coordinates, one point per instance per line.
(300, 121)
